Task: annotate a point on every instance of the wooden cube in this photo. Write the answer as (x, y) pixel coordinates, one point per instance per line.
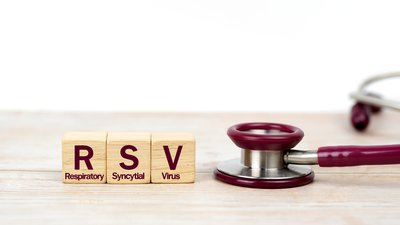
(172, 158)
(128, 158)
(84, 157)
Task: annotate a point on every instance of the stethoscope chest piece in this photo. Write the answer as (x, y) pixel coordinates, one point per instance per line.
(262, 163)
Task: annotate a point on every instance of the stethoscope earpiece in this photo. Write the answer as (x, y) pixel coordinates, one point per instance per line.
(368, 103)
(361, 115)
(268, 160)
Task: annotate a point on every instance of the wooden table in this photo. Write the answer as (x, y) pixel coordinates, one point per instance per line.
(31, 191)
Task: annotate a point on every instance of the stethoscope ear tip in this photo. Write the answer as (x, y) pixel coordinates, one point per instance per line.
(359, 116)
(361, 113)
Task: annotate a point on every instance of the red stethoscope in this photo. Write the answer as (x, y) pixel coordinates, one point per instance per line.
(268, 160)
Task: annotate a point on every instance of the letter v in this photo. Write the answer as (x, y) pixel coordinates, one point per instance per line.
(172, 164)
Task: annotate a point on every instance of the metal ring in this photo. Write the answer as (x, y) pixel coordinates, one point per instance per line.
(264, 183)
(283, 137)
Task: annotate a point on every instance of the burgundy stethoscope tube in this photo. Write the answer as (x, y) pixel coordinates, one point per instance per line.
(340, 156)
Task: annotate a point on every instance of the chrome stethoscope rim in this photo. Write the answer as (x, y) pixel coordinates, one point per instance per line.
(361, 95)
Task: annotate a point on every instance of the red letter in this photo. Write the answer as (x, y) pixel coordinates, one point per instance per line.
(86, 158)
(172, 164)
(131, 157)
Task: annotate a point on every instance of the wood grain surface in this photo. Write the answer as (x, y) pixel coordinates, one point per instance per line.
(32, 192)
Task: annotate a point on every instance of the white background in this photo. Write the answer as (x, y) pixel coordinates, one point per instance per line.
(206, 55)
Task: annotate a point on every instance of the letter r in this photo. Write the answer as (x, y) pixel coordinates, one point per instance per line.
(85, 158)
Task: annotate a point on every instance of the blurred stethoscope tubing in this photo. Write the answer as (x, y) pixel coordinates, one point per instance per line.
(268, 160)
(368, 103)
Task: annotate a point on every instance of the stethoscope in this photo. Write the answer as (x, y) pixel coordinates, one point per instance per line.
(368, 103)
(268, 160)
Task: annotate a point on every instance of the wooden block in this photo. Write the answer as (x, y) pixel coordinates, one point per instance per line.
(172, 158)
(128, 158)
(84, 157)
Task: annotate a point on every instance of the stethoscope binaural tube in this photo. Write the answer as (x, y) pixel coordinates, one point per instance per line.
(268, 160)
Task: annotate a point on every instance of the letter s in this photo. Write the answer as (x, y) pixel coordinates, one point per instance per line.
(135, 160)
